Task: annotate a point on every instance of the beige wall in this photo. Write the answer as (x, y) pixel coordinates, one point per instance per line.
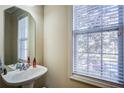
(56, 47)
(31, 38)
(10, 39)
(2, 30)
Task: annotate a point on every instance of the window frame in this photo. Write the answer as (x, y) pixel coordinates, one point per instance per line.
(82, 78)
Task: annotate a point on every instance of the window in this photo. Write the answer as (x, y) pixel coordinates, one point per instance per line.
(98, 42)
(23, 38)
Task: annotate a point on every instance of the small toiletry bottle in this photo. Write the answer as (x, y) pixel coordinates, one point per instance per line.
(34, 63)
(28, 61)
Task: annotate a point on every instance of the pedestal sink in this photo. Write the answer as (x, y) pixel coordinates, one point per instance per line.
(25, 78)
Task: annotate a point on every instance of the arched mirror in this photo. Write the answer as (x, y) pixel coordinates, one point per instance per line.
(19, 36)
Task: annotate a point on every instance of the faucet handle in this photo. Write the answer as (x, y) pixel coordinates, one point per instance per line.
(18, 65)
(25, 66)
(22, 66)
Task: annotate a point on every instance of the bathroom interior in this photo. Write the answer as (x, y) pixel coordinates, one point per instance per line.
(61, 46)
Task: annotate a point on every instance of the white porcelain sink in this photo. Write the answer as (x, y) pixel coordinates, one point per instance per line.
(24, 78)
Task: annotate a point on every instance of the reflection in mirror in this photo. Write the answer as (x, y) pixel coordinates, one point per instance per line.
(19, 36)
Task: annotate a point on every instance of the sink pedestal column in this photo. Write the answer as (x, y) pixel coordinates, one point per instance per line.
(29, 85)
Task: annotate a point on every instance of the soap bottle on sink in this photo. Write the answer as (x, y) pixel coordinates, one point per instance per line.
(34, 63)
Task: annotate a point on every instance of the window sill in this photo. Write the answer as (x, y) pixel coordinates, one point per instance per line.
(95, 82)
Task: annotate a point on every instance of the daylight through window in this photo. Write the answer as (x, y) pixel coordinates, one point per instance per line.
(23, 38)
(97, 42)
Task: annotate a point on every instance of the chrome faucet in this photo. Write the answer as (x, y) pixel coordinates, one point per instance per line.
(22, 66)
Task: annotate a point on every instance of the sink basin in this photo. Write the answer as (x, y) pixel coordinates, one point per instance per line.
(24, 78)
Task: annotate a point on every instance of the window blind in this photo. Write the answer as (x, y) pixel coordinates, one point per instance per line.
(23, 38)
(98, 42)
